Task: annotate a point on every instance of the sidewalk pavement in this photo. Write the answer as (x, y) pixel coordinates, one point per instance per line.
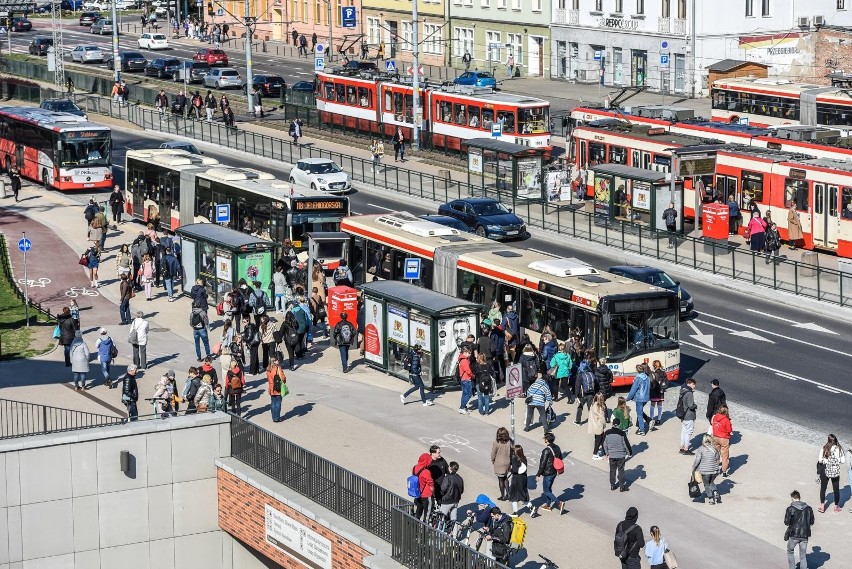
(324, 410)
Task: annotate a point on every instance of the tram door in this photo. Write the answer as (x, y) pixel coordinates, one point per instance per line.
(825, 216)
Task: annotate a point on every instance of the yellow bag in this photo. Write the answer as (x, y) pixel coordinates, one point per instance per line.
(519, 531)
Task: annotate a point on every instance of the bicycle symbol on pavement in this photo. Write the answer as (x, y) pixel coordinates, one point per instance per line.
(31, 283)
(76, 291)
(453, 442)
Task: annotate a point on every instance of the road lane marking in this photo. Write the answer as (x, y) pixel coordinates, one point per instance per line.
(741, 333)
(786, 337)
(805, 325)
(747, 364)
(828, 389)
(543, 252)
(380, 207)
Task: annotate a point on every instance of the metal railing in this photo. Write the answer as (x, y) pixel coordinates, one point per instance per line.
(18, 419)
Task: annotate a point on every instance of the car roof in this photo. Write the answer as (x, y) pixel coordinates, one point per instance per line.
(57, 100)
(478, 200)
(441, 219)
(316, 160)
(636, 269)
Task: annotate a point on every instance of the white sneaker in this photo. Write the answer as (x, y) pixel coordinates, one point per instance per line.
(462, 412)
(426, 404)
(597, 457)
(402, 398)
(429, 403)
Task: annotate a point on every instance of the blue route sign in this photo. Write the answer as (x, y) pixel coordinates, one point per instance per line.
(347, 16)
(412, 269)
(223, 213)
(25, 245)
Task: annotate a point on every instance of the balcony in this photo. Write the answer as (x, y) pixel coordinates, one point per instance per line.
(679, 26)
(664, 25)
(564, 16)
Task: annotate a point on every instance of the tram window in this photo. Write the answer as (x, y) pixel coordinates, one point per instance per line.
(597, 153)
(558, 316)
(341, 93)
(508, 120)
(487, 118)
(797, 192)
(617, 155)
(532, 311)
(388, 100)
(375, 257)
(350, 95)
(445, 111)
(719, 99)
(365, 97)
(459, 114)
(397, 106)
(846, 203)
(409, 105)
(752, 186)
(329, 90)
(473, 117)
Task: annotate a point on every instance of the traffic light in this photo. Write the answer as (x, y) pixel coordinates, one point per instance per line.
(210, 8)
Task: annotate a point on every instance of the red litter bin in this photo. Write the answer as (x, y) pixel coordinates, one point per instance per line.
(342, 299)
(716, 221)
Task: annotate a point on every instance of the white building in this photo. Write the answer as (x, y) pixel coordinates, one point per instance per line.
(650, 42)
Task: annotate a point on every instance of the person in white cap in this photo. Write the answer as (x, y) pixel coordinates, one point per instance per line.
(106, 352)
(130, 392)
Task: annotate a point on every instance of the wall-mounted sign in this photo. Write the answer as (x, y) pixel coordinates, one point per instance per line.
(618, 23)
(297, 540)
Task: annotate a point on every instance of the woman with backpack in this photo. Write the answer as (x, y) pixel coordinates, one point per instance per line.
(225, 342)
(830, 458)
(482, 369)
(519, 484)
(659, 383)
(622, 411)
(93, 260)
(559, 369)
(235, 381)
(706, 466)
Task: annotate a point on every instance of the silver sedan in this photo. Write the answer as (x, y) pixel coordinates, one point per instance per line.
(87, 54)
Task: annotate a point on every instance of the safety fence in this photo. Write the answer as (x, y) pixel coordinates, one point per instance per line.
(18, 419)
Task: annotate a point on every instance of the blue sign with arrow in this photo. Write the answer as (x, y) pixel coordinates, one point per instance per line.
(347, 16)
(25, 245)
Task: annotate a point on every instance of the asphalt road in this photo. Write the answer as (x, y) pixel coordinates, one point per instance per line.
(770, 355)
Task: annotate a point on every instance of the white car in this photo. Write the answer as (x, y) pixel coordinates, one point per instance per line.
(153, 41)
(321, 174)
(87, 53)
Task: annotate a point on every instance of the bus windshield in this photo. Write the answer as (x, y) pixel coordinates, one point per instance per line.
(636, 332)
(79, 150)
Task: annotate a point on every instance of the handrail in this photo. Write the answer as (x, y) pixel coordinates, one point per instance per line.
(20, 419)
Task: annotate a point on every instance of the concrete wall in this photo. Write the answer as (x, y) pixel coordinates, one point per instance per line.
(65, 503)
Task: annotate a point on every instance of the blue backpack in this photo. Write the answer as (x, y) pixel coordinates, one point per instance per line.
(413, 483)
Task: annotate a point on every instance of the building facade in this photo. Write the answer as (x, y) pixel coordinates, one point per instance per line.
(495, 30)
(389, 23)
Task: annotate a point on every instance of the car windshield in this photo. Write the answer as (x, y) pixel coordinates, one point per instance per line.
(230, 73)
(490, 208)
(484, 75)
(64, 106)
(91, 48)
(217, 52)
(659, 279)
(85, 149)
(323, 168)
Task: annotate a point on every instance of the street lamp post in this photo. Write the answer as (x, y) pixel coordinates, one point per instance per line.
(329, 53)
(415, 71)
(116, 63)
(249, 94)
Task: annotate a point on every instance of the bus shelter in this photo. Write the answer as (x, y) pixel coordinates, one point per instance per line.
(510, 169)
(399, 315)
(222, 256)
(635, 195)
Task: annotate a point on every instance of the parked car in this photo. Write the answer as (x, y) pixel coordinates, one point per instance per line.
(447, 221)
(487, 217)
(129, 61)
(191, 71)
(63, 106)
(87, 54)
(180, 145)
(476, 79)
(102, 26)
(321, 174)
(657, 277)
(39, 45)
(211, 56)
(269, 85)
(22, 24)
(89, 18)
(153, 41)
(162, 67)
(223, 78)
(303, 86)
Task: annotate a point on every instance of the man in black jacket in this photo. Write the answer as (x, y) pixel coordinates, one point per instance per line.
(116, 204)
(798, 518)
(715, 399)
(452, 488)
(198, 293)
(130, 392)
(603, 378)
(618, 450)
(438, 468)
(501, 535)
(635, 540)
(547, 471)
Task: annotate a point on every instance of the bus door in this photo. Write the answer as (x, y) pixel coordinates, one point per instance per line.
(19, 156)
(635, 159)
(508, 295)
(825, 217)
(646, 160)
(725, 186)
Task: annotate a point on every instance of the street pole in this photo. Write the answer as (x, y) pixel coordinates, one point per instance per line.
(329, 53)
(415, 82)
(249, 74)
(512, 420)
(116, 62)
(26, 282)
(692, 39)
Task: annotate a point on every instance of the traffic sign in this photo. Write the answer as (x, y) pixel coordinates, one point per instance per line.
(347, 16)
(496, 129)
(390, 66)
(223, 213)
(410, 70)
(319, 49)
(514, 382)
(598, 54)
(25, 245)
(412, 269)
(664, 46)
(664, 59)
(319, 63)
(220, 12)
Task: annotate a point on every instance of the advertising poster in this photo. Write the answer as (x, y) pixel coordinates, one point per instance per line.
(602, 196)
(373, 335)
(451, 333)
(223, 266)
(555, 181)
(529, 178)
(397, 337)
(420, 333)
(255, 267)
(641, 197)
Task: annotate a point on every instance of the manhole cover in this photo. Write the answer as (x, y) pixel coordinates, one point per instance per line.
(300, 395)
(159, 329)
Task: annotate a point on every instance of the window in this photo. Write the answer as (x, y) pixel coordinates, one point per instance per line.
(575, 4)
(516, 4)
(463, 41)
(619, 6)
(749, 8)
(486, 3)
(514, 43)
(377, 255)
(764, 8)
(341, 93)
(318, 11)
(681, 9)
(337, 13)
(597, 153)
(351, 98)
(433, 39)
(841, 4)
(373, 30)
(295, 10)
(752, 186)
(666, 9)
(536, 5)
(501, 4)
(640, 7)
(492, 40)
(846, 204)
(329, 91)
(598, 5)
(532, 309)
(617, 155)
(796, 191)
(460, 114)
(473, 119)
(445, 111)
(304, 12)
(365, 97)
(407, 34)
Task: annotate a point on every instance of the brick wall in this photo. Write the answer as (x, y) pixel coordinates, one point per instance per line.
(242, 512)
(831, 53)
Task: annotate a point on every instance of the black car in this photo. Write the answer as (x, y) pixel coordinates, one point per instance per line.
(21, 25)
(162, 67)
(303, 87)
(130, 61)
(39, 45)
(269, 85)
(63, 106)
(657, 277)
(89, 18)
(486, 217)
(47, 7)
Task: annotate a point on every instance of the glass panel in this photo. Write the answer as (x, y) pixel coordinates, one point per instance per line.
(473, 117)
(797, 191)
(532, 311)
(846, 203)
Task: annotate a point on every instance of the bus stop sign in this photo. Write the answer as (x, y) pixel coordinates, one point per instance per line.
(223, 213)
(412, 269)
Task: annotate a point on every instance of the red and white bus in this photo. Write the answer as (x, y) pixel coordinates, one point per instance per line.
(451, 114)
(59, 150)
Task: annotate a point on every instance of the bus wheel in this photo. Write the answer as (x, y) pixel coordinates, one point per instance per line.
(45, 180)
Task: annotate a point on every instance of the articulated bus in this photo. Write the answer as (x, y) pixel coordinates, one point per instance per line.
(626, 321)
(173, 188)
(59, 150)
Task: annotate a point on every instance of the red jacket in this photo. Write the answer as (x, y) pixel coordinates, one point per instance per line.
(722, 427)
(427, 485)
(465, 372)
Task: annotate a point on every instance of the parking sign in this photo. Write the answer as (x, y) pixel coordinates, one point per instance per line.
(347, 16)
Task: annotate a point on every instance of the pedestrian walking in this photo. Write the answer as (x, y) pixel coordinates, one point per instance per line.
(276, 380)
(377, 150)
(137, 337)
(210, 105)
(715, 399)
(413, 364)
(130, 392)
(466, 379)
(538, 399)
(257, 95)
(501, 456)
(685, 411)
(267, 341)
(147, 274)
(484, 376)
(344, 334)
(757, 233)
(452, 489)
(106, 348)
(251, 341)
(314, 41)
(670, 219)
(656, 548)
(218, 401)
(295, 131)
(290, 336)
(79, 361)
(123, 262)
(721, 428)
(831, 456)
(640, 393)
(295, 35)
(603, 378)
(380, 53)
(399, 145)
(659, 384)
(424, 503)
(585, 388)
(199, 323)
(303, 45)
(773, 241)
(629, 539)
(116, 205)
(519, 493)
(75, 313)
(15, 179)
(559, 368)
(794, 226)
(622, 413)
(235, 381)
(799, 517)
(228, 116)
(618, 450)
(162, 103)
(597, 425)
(258, 300)
(547, 472)
(126, 293)
(466, 60)
(705, 468)
(172, 272)
(93, 262)
(191, 387)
